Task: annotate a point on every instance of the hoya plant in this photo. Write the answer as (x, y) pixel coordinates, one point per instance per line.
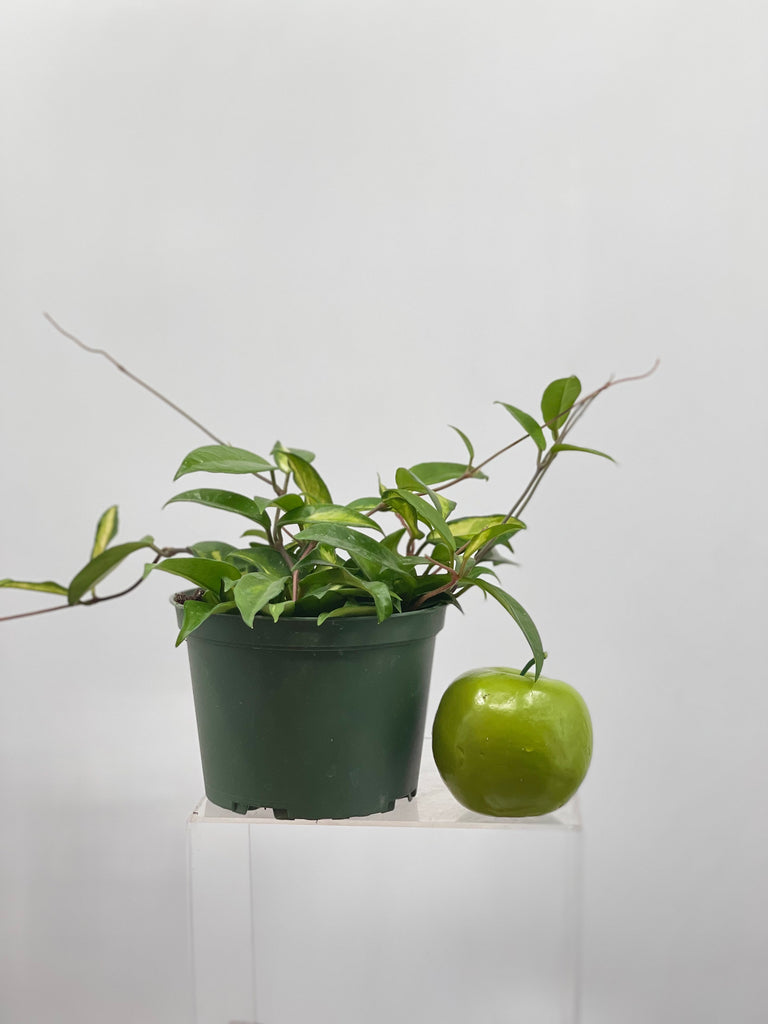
(407, 547)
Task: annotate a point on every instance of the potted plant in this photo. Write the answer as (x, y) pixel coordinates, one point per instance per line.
(310, 635)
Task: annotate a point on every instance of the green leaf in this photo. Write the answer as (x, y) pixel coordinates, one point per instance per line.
(528, 423)
(217, 549)
(393, 539)
(439, 472)
(495, 557)
(253, 592)
(227, 501)
(279, 453)
(492, 534)
(426, 583)
(195, 614)
(406, 479)
(103, 564)
(261, 534)
(266, 559)
(557, 401)
(346, 610)
(382, 598)
(308, 480)
(467, 526)
(430, 516)
(49, 587)
(401, 508)
(221, 458)
(479, 570)
(446, 505)
(577, 448)
(327, 553)
(303, 454)
(330, 514)
(364, 504)
(370, 555)
(207, 573)
(467, 444)
(442, 553)
(288, 502)
(106, 529)
(281, 608)
(322, 599)
(521, 617)
(319, 578)
(317, 587)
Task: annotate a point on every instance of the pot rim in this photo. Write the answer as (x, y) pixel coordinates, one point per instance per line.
(312, 618)
(302, 632)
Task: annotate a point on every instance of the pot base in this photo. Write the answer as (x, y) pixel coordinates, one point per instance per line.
(287, 814)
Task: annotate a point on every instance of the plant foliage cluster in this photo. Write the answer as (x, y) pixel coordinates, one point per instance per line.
(303, 554)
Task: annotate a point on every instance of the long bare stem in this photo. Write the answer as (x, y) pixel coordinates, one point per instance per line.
(157, 394)
(38, 611)
(133, 377)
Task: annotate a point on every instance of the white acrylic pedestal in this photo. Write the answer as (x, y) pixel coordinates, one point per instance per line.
(428, 914)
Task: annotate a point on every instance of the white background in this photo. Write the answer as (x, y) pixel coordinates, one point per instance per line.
(347, 225)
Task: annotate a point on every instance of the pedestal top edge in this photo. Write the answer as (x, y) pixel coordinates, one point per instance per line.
(433, 807)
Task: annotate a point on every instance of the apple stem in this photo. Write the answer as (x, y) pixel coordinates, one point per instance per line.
(531, 662)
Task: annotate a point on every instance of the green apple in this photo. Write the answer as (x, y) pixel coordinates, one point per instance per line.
(510, 746)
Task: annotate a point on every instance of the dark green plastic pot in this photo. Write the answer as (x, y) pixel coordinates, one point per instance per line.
(312, 721)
